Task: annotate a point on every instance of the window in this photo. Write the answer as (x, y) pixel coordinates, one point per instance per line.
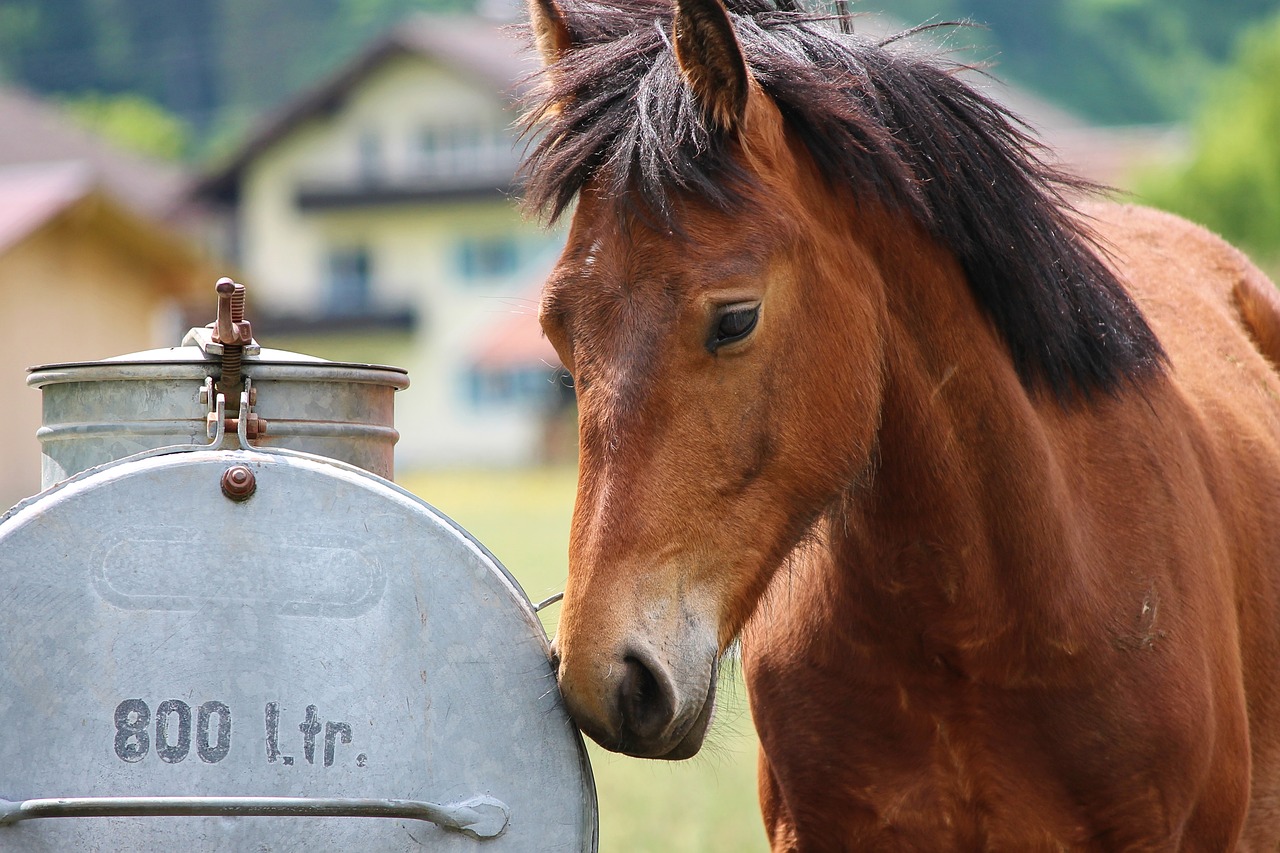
(370, 157)
(349, 288)
(531, 386)
(487, 258)
(460, 150)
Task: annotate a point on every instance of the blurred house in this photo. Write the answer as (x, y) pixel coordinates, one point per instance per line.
(83, 276)
(374, 221)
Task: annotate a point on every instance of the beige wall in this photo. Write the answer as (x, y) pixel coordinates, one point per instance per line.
(70, 292)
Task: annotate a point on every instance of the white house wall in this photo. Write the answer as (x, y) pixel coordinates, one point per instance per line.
(415, 261)
(414, 252)
(281, 253)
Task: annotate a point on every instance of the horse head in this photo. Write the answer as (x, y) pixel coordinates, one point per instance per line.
(703, 458)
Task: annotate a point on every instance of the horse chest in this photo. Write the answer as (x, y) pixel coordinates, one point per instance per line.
(940, 764)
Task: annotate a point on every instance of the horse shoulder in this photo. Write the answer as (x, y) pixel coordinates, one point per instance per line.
(1218, 317)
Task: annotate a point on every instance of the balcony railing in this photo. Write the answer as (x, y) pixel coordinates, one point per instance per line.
(455, 167)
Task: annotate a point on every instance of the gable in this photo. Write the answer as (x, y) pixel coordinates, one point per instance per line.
(472, 56)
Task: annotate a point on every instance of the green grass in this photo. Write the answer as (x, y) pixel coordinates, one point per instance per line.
(704, 805)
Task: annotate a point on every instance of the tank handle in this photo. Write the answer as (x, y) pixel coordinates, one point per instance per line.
(479, 817)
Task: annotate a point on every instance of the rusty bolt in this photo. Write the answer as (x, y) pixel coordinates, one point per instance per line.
(238, 483)
(257, 427)
(230, 327)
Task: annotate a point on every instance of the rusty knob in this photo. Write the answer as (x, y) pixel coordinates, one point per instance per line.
(238, 483)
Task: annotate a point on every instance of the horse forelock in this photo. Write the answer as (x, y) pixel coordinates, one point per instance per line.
(902, 130)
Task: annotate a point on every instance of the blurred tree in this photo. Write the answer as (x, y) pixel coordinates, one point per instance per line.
(1232, 182)
(161, 49)
(216, 63)
(221, 63)
(19, 26)
(1115, 61)
(132, 122)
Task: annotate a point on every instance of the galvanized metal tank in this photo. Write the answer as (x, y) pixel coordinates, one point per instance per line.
(101, 411)
(222, 644)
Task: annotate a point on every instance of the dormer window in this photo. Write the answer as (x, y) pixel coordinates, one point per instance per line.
(370, 157)
(460, 150)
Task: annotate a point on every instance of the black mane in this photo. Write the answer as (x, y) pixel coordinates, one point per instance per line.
(888, 125)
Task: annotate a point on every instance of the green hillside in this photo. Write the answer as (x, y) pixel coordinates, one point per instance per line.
(217, 63)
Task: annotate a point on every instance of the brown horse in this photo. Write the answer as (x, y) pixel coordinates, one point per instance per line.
(988, 487)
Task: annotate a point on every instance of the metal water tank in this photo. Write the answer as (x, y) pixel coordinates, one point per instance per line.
(217, 636)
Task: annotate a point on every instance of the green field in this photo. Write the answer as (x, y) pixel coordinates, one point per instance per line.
(705, 804)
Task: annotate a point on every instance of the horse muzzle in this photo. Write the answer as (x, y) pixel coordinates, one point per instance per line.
(638, 705)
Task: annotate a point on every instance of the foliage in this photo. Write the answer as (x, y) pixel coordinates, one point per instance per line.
(19, 23)
(1116, 61)
(205, 60)
(221, 63)
(132, 122)
(1232, 182)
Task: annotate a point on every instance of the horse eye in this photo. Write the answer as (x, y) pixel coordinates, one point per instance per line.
(733, 324)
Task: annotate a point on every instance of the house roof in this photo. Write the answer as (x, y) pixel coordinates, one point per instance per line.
(514, 341)
(491, 52)
(38, 195)
(32, 132)
(481, 48)
(31, 195)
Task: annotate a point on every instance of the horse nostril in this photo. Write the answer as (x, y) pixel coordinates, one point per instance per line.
(645, 700)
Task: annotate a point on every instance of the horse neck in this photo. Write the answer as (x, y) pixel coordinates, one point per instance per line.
(961, 533)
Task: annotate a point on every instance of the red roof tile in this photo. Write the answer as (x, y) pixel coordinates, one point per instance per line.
(514, 341)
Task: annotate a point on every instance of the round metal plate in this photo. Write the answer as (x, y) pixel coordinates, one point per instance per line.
(329, 637)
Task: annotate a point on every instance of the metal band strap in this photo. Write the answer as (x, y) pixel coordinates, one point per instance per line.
(479, 817)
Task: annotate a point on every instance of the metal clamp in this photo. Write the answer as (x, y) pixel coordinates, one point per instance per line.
(202, 337)
(247, 424)
(216, 416)
(479, 817)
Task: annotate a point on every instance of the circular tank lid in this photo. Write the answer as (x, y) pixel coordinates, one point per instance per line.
(195, 355)
(228, 339)
(146, 363)
(327, 636)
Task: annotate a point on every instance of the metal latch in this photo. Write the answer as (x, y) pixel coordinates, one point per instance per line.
(229, 338)
(219, 418)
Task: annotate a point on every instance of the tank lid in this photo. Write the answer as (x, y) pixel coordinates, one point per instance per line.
(218, 388)
(187, 355)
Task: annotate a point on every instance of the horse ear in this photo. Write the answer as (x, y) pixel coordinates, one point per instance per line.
(710, 60)
(550, 32)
